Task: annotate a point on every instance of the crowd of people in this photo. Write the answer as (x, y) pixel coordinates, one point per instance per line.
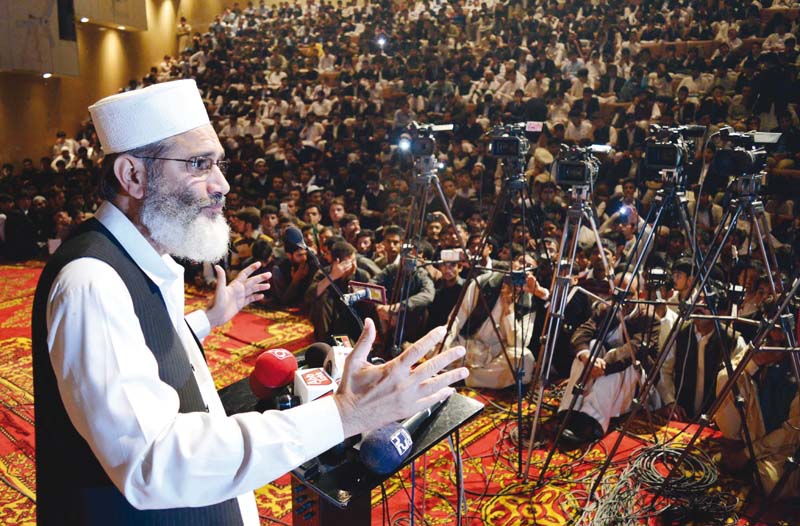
(310, 101)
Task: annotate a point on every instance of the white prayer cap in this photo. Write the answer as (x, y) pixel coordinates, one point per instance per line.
(136, 118)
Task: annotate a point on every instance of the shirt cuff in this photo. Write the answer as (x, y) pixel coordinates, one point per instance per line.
(324, 425)
(198, 321)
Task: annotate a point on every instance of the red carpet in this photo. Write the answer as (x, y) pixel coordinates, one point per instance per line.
(494, 493)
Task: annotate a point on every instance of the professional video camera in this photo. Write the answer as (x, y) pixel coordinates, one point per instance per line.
(668, 149)
(510, 141)
(419, 139)
(577, 166)
(658, 277)
(744, 153)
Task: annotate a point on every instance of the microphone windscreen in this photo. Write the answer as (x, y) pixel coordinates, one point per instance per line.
(275, 368)
(384, 450)
(316, 353)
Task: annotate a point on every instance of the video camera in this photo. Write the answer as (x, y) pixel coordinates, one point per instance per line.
(419, 140)
(658, 277)
(510, 141)
(744, 153)
(668, 149)
(577, 166)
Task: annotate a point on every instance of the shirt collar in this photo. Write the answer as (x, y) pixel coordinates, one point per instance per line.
(160, 269)
(701, 337)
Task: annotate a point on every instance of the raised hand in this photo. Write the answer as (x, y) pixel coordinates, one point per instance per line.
(232, 297)
(371, 396)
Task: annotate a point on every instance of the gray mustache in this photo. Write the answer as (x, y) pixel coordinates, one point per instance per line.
(217, 199)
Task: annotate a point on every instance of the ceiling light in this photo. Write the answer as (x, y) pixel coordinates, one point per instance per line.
(121, 28)
(46, 75)
(84, 19)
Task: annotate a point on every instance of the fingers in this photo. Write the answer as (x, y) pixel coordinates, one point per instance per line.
(364, 343)
(442, 381)
(421, 347)
(440, 361)
(248, 271)
(261, 287)
(442, 394)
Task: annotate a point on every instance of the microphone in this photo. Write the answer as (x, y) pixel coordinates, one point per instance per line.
(316, 354)
(273, 372)
(693, 130)
(352, 298)
(334, 361)
(312, 384)
(384, 450)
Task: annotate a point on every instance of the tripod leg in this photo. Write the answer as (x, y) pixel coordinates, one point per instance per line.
(701, 278)
(613, 311)
(554, 318)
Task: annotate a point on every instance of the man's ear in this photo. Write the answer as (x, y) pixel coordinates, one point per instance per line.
(130, 172)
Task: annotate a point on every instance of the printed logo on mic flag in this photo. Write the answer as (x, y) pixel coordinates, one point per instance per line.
(401, 440)
(316, 377)
(280, 354)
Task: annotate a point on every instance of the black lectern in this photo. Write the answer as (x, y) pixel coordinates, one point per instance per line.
(335, 488)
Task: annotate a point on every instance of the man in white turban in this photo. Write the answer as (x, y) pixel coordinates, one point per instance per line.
(129, 426)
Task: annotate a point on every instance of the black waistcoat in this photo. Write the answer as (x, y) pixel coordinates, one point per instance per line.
(686, 362)
(71, 486)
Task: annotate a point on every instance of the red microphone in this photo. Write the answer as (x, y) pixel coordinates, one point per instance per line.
(274, 370)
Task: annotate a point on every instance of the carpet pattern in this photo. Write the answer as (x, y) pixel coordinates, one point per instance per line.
(494, 493)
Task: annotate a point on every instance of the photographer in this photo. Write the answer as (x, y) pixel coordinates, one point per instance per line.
(327, 314)
(772, 411)
(607, 395)
(628, 223)
(513, 308)
(291, 275)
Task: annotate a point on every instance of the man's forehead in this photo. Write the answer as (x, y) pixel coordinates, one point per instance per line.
(199, 141)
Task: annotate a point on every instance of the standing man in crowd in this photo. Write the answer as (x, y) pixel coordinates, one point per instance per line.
(129, 426)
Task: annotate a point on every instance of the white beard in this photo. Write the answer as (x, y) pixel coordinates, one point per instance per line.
(177, 223)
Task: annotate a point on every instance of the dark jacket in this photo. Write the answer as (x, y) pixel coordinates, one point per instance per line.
(640, 326)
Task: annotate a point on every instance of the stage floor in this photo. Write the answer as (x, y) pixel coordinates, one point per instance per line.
(494, 493)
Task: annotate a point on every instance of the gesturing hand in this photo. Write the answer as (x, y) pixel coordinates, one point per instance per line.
(232, 297)
(371, 396)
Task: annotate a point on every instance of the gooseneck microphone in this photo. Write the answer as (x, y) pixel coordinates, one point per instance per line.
(295, 236)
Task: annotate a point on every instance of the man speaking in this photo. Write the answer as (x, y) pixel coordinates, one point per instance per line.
(129, 427)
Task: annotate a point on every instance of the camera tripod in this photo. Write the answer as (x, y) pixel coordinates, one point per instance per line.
(514, 189)
(580, 212)
(744, 199)
(426, 185)
(672, 194)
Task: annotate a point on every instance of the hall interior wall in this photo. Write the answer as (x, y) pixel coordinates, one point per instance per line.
(33, 109)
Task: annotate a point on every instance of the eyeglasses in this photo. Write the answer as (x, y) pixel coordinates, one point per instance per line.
(199, 167)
